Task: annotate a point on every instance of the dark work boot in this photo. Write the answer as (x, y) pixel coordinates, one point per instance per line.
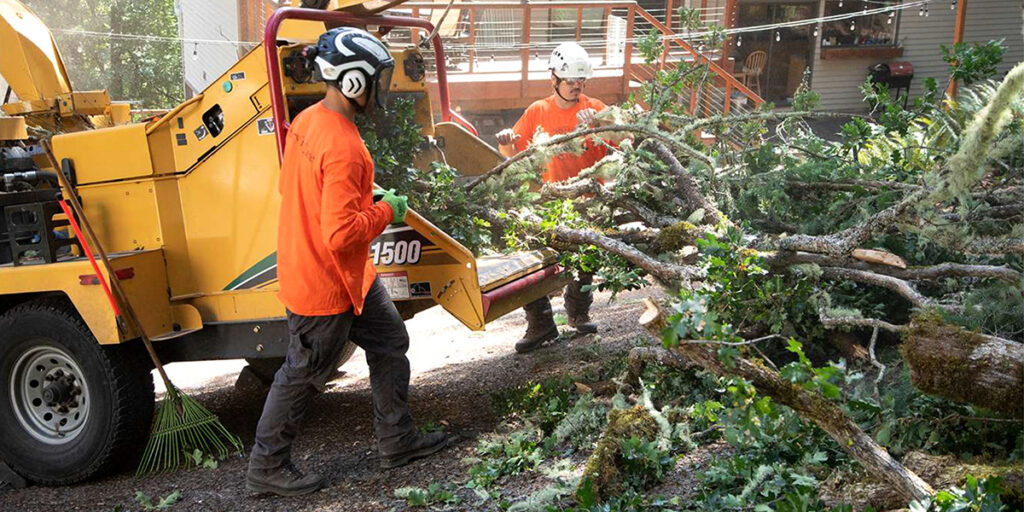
(284, 481)
(582, 324)
(420, 446)
(540, 326)
(577, 304)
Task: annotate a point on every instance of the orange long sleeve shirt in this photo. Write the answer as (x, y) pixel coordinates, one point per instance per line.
(555, 120)
(328, 218)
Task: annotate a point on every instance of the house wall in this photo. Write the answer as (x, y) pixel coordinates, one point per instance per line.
(838, 81)
(207, 21)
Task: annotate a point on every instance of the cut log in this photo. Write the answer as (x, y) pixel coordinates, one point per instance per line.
(964, 366)
(812, 406)
(879, 257)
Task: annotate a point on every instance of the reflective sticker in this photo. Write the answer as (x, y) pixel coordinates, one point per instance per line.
(265, 125)
(396, 283)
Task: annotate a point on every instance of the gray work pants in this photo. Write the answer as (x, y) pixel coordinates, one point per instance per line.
(314, 348)
(577, 302)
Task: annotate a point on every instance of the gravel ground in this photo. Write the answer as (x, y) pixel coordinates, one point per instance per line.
(454, 373)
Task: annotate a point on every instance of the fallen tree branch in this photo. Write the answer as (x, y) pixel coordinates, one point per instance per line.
(899, 286)
(562, 139)
(965, 366)
(852, 186)
(810, 405)
(640, 357)
(668, 273)
(688, 186)
(995, 246)
(929, 273)
(844, 242)
(576, 189)
(833, 322)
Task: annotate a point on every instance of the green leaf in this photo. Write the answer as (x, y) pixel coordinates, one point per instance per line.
(143, 500)
(169, 500)
(696, 217)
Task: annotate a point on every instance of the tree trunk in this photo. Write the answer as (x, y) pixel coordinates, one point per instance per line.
(964, 366)
(827, 415)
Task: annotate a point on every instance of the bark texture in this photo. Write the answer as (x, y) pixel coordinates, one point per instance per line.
(964, 366)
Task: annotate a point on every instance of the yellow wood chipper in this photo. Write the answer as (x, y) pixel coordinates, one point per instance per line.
(187, 205)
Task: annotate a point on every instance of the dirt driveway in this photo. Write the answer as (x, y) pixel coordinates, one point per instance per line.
(455, 372)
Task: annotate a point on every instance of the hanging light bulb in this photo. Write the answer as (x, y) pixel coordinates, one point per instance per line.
(853, 25)
(920, 12)
(815, 31)
(739, 41)
(195, 51)
(926, 10)
(840, 3)
(778, 36)
(952, 5)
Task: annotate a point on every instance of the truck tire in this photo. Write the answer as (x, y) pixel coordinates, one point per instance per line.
(70, 409)
(264, 369)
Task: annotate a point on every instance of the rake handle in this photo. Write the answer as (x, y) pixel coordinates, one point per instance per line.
(95, 243)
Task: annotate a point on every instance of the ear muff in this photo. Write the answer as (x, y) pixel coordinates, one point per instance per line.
(352, 84)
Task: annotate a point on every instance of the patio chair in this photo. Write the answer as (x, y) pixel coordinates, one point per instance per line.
(753, 66)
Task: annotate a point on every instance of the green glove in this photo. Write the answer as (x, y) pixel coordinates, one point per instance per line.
(399, 205)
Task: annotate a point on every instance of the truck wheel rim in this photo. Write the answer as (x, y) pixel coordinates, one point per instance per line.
(50, 395)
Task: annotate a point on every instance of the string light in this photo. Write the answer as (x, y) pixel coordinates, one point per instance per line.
(840, 3)
(735, 32)
(778, 37)
(739, 41)
(952, 5)
(853, 25)
(891, 16)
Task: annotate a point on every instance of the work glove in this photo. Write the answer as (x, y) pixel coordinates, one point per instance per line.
(507, 137)
(586, 117)
(399, 205)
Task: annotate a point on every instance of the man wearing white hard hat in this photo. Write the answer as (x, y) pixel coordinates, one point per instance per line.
(562, 112)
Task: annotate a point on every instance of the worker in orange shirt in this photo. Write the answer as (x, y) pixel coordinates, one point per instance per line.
(328, 284)
(562, 112)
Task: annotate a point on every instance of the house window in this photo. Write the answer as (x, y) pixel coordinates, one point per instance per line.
(871, 30)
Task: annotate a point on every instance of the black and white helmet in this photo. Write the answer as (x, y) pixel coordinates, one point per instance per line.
(354, 60)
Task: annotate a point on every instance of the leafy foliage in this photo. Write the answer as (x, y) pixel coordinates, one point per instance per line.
(147, 72)
(979, 495)
(973, 63)
(434, 494)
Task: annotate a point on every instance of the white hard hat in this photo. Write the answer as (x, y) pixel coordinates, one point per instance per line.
(570, 60)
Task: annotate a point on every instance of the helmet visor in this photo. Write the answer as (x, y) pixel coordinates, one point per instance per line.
(383, 85)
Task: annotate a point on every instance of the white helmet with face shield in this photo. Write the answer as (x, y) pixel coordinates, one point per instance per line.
(354, 62)
(570, 61)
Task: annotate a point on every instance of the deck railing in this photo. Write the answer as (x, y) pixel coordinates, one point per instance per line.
(514, 38)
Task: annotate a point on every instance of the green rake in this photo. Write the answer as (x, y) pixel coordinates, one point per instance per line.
(182, 424)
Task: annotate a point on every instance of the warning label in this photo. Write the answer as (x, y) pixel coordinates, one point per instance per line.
(396, 283)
